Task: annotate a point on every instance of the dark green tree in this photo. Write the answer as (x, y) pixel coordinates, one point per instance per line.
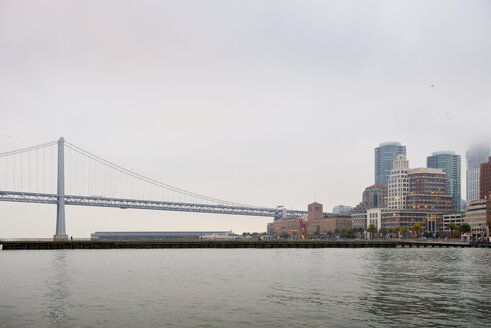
(372, 229)
(417, 229)
(452, 226)
(465, 227)
(284, 235)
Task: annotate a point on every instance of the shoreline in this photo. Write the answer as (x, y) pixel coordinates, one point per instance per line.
(226, 244)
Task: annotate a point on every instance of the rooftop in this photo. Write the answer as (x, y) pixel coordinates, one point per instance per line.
(376, 186)
(443, 152)
(390, 143)
(426, 170)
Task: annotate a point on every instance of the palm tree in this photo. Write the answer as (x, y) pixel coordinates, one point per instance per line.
(417, 228)
(372, 229)
(452, 226)
(403, 230)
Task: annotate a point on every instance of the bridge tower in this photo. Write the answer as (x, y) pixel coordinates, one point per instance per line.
(60, 207)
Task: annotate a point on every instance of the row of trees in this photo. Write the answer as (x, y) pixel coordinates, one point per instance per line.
(463, 228)
(415, 230)
(418, 231)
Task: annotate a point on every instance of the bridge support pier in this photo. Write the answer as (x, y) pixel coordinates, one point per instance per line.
(60, 207)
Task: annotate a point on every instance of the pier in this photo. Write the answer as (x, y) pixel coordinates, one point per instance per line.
(50, 244)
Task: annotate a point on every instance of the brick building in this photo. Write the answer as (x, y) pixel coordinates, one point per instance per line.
(359, 220)
(428, 191)
(373, 197)
(290, 226)
(476, 217)
(485, 179)
(314, 211)
(322, 226)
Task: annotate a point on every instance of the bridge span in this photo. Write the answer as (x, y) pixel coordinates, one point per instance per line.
(89, 180)
(41, 198)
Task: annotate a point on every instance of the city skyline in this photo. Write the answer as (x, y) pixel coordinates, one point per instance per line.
(401, 162)
(282, 107)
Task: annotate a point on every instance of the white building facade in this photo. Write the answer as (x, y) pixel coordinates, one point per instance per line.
(398, 187)
(374, 216)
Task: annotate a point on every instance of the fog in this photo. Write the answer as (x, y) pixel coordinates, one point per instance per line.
(265, 103)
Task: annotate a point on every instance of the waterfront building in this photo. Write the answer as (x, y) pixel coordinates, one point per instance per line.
(456, 218)
(322, 226)
(374, 216)
(314, 211)
(485, 179)
(386, 218)
(475, 156)
(401, 218)
(359, 220)
(398, 187)
(476, 217)
(488, 214)
(373, 197)
(145, 235)
(319, 224)
(428, 191)
(449, 162)
(385, 155)
(341, 208)
(290, 226)
(330, 224)
(434, 221)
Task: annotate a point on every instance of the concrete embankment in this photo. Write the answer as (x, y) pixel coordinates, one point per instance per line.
(146, 244)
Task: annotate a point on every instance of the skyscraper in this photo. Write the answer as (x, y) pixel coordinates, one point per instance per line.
(475, 157)
(385, 155)
(449, 162)
(398, 184)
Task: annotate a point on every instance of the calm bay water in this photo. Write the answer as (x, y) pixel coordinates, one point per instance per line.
(245, 287)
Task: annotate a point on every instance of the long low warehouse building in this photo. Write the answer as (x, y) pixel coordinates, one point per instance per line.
(134, 235)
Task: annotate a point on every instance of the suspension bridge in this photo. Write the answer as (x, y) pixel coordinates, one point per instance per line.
(61, 173)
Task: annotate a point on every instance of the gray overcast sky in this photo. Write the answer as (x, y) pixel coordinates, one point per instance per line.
(261, 102)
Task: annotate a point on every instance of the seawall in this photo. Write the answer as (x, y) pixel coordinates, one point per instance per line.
(146, 244)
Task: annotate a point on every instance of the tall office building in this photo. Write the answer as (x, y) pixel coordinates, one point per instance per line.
(385, 155)
(428, 191)
(398, 184)
(475, 157)
(449, 162)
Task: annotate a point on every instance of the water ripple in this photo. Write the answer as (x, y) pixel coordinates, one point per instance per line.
(242, 288)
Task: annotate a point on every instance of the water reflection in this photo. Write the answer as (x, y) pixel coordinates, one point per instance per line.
(418, 287)
(57, 290)
(243, 288)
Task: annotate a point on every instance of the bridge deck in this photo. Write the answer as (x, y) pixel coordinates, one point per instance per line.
(40, 198)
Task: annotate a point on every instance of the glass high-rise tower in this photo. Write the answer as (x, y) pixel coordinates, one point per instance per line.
(449, 162)
(475, 157)
(385, 155)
